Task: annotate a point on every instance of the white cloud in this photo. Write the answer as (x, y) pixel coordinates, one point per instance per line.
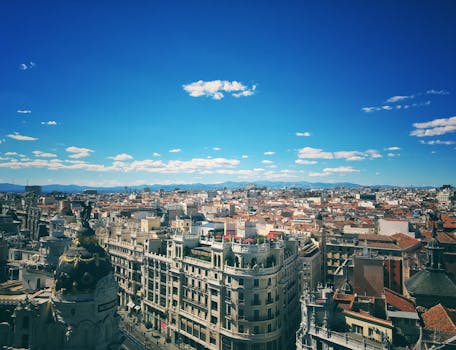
(216, 149)
(245, 92)
(331, 171)
(25, 66)
(392, 148)
(398, 98)
(316, 174)
(78, 152)
(50, 122)
(393, 155)
(437, 92)
(303, 134)
(19, 137)
(318, 153)
(269, 153)
(341, 169)
(244, 156)
(177, 166)
(11, 154)
(305, 162)
(121, 157)
(392, 102)
(437, 142)
(314, 153)
(435, 127)
(44, 154)
(216, 88)
(175, 150)
(156, 154)
(24, 111)
(266, 161)
(195, 165)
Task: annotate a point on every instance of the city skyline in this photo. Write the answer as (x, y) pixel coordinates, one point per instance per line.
(159, 93)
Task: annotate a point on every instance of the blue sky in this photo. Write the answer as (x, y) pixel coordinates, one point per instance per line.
(126, 93)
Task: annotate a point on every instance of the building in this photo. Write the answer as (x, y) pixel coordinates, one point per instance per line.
(389, 227)
(310, 259)
(432, 284)
(329, 321)
(445, 195)
(33, 189)
(216, 294)
(126, 248)
(79, 312)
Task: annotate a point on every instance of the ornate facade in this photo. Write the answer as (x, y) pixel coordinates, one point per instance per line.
(81, 310)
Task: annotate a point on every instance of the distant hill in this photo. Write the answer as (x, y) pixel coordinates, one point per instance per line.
(7, 187)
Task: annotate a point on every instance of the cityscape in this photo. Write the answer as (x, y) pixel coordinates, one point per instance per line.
(227, 175)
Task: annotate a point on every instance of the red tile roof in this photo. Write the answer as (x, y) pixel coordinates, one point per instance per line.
(398, 301)
(440, 318)
(405, 241)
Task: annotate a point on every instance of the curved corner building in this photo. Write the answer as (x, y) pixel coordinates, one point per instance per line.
(223, 295)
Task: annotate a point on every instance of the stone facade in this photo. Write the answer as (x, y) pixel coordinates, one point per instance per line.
(222, 295)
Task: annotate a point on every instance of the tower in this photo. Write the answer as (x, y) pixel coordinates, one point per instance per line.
(432, 284)
(85, 293)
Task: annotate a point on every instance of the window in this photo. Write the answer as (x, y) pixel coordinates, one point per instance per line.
(214, 305)
(256, 330)
(241, 313)
(269, 281)
(214, 320)
(256, 282)
(241, 296)
(357, 329)
(25, 322)
(212, 340)
(256, 315)
(241, 281)
(269, 328)
(241, 328)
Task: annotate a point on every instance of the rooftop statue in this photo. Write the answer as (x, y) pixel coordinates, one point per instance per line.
(85, 215)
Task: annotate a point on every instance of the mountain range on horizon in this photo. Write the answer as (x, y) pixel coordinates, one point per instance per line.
(8, 187)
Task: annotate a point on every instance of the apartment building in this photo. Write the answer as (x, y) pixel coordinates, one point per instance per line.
(217, 294)
(125, 246)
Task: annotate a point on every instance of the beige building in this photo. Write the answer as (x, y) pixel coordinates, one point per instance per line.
(222, 295)
(150, 223)
(125, 246)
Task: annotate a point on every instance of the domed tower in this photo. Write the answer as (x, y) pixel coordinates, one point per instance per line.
(85, 293)
(432, 284)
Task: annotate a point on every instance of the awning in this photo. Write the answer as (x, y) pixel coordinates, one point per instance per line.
(131, 304)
